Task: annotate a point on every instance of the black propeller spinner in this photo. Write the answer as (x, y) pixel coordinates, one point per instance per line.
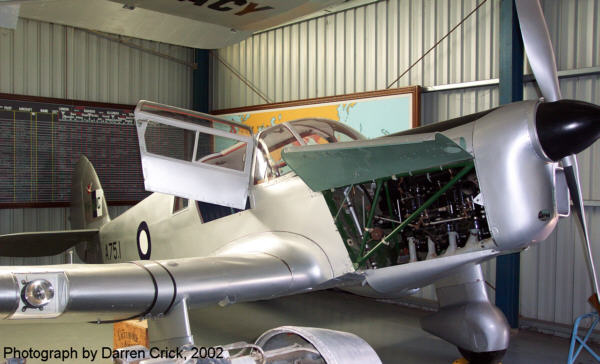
(567, 127)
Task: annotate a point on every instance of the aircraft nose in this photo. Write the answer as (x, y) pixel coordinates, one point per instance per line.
(567, 127)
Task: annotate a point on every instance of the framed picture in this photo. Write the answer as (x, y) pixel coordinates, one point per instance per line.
(373, 113)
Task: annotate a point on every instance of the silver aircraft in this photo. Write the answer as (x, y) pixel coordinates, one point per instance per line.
(311, 205)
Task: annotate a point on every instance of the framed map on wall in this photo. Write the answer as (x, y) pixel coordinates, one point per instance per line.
(373, 113)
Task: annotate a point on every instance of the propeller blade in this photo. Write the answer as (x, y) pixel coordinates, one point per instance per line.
(538, 47)
(572, 174)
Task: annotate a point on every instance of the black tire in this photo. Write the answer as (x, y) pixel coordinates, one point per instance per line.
(486, 357)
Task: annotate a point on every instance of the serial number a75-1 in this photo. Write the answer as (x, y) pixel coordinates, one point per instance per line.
(112, 251)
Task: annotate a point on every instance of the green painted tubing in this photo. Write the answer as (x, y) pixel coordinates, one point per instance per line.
(418, 211)
(371, 215)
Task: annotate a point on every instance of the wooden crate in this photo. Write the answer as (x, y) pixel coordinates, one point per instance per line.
(129, 333)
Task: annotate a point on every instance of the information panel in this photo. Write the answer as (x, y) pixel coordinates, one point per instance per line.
(42, 140)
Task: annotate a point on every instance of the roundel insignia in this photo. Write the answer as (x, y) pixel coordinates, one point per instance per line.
(144, 244)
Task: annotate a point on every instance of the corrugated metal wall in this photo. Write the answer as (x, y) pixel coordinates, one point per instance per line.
(43, 59)
(362, 49)
(366, 48)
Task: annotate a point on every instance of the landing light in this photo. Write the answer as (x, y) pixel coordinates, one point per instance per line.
(37, 293)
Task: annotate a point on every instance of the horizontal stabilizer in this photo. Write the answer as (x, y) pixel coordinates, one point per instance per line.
(45, 243)
(334, 165)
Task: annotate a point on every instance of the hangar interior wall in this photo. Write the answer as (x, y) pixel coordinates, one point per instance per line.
(50, 60)
(366, 48)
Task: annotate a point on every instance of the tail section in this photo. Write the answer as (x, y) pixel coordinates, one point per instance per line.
(88, 213)
(88, 208)
(88, 205)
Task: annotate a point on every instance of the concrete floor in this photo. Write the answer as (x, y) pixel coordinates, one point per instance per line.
(392, 330)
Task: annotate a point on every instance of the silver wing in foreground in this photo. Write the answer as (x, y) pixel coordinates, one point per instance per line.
(256, 268)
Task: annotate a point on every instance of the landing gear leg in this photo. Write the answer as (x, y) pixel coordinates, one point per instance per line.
(468, 319)
(172, 330)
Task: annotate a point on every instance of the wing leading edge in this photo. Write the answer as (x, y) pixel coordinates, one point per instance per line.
(256, 267)
(329, 166)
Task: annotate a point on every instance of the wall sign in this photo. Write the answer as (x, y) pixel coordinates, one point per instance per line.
(41, 140)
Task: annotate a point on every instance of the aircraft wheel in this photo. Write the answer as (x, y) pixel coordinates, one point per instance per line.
(486, 357)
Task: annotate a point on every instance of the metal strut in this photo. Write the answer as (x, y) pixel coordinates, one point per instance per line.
(370, 217)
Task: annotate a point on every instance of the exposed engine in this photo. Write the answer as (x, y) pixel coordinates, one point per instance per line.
(452, 223)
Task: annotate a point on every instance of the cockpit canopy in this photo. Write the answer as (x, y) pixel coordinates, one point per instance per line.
(204, 158)
(194, 155)
(271, 141)
(268, 161)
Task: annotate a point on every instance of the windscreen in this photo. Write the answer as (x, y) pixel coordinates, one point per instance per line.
(323, 131)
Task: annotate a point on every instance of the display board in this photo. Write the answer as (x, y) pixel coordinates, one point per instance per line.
(42, 139)
(373, 113)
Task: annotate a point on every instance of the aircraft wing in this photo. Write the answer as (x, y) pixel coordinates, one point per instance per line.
(45, 243)
(205, 24)
(401, 280)
(240, 15)
(256, 267)
(326, 166)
